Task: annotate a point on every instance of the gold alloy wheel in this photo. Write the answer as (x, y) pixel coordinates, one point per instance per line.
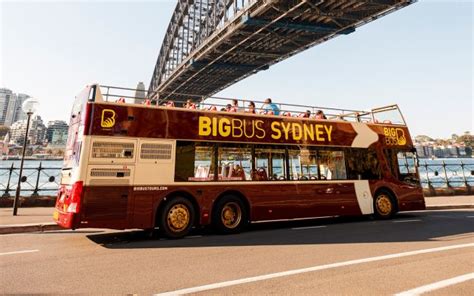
(231, 215)
(384, 204)
(178, 217)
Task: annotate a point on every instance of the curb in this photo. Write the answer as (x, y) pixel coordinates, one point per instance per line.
(448, 207)
(23, 228)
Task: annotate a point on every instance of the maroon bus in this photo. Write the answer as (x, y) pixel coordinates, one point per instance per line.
(132, 164)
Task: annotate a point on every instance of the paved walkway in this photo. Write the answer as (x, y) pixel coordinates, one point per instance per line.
(39, 218)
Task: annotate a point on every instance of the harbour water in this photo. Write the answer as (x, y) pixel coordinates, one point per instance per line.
(459, 172)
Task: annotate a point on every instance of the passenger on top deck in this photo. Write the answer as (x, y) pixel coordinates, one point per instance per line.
(169, 104)
(235, 105)
(320, 115)
(270, 108)
(307, 114)
(230, 108)
(190, 105)
(251, 107)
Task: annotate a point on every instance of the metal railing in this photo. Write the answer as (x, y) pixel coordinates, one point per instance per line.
(36, 181)
(435, 178)
(388, 114)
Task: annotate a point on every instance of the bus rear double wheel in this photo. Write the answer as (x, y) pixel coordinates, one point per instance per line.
(229, 215)
(177, 218)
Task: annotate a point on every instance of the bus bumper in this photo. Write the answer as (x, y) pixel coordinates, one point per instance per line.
(65, 220)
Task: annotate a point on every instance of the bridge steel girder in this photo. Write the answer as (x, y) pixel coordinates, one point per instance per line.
(212, 44)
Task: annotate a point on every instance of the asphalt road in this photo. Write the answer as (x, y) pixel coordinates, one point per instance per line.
(428, 251)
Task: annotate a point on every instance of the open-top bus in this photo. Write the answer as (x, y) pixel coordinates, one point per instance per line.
(130, 164)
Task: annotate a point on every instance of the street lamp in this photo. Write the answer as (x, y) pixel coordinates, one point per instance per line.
(29, 106)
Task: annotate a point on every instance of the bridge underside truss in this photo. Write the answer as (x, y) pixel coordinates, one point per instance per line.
(211, 44)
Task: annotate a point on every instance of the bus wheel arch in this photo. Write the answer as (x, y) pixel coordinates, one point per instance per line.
(385, 203)
(182, 202)
(230, 200)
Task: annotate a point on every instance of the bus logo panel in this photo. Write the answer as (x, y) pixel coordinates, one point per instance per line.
(108, 118)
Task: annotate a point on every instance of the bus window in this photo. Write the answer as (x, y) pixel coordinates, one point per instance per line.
(332, 165)
(234, 163)
(270, 164)
(303, 164)
(362, 164)
(194, 162)
(407, 167)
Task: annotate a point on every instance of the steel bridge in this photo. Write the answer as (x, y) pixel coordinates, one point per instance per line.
(211, 44)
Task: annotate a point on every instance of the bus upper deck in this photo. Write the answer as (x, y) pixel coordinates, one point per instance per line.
(390, 114)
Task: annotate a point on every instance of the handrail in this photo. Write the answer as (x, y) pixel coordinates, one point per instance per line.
(112, 92)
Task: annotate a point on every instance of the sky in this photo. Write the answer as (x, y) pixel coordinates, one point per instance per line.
(420, 57)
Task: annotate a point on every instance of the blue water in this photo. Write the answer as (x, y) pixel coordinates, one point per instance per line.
(458, 172)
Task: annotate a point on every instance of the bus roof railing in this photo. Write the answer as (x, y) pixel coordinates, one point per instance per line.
(376, 115)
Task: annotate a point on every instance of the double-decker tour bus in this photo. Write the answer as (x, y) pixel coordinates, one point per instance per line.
(132, 164)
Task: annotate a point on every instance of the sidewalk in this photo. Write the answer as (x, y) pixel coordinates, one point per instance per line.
(41, 219)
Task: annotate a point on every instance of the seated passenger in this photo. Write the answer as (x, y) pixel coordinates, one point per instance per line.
(212, 108)
(307, 114)
(235, 106)
(251, 108)
(287, 114)
(230, 108)
(120, 100)
(268, 106)
(169, 104)
(190, 105)
(320, 115)
(147, 102)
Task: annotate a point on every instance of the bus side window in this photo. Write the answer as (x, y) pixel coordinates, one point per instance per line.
(362, 164)
(234, 163)
(194, 162)
(332, 165)
(270, 164)
(303, 164)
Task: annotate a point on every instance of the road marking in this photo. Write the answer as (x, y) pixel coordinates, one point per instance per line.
(405, 221)
(308, 227)
(469, 216)
(193, 236)
(437, 285)
(18, 252)
(310, 269)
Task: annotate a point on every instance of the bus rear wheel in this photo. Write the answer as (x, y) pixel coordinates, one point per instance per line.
(176, 218)
(229, 215)
(384, 205)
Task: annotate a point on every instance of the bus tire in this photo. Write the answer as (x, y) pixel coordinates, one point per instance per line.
(229, 215)
(384, 205)
(177, 218)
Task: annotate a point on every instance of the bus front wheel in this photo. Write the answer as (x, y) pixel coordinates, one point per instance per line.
(176, 219)
(384, 205)
(229, 215)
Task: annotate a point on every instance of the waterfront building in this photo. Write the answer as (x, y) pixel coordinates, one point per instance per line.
(420, 150)
(10, 106)
(140, 93)
(36, 134)
(5, 97)
(56, 133)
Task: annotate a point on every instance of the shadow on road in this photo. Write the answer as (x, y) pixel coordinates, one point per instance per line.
(424, 226)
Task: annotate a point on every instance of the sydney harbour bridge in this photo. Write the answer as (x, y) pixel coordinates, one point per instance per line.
(211, 44)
